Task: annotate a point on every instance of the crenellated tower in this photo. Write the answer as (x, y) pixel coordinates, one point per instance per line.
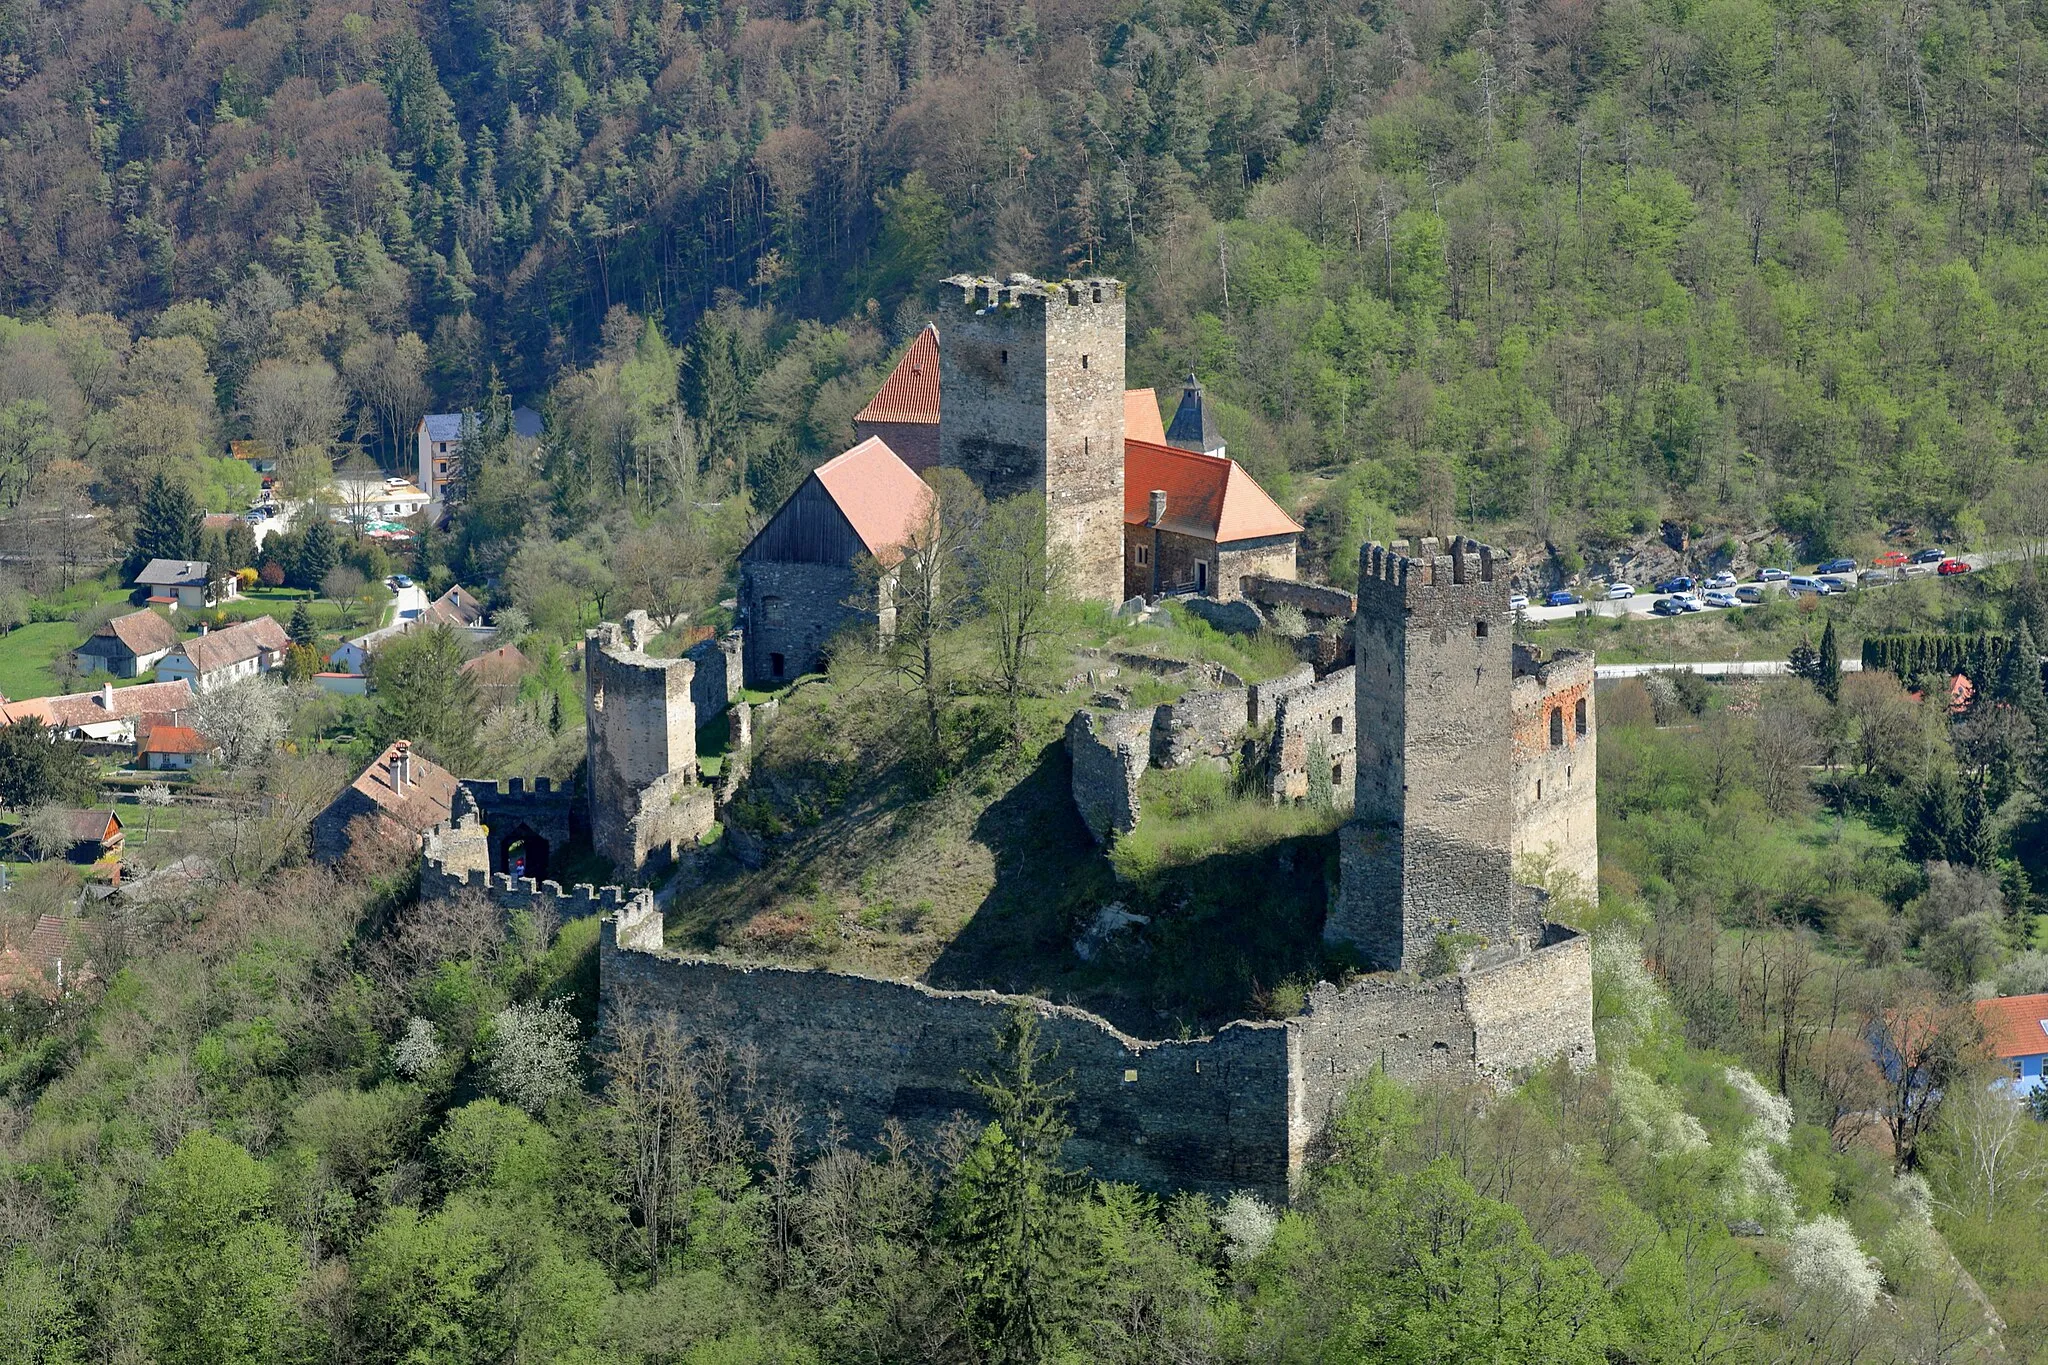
(1428, 850)
(1032, 374)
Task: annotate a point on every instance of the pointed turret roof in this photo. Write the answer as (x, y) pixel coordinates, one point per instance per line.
(1194, 422)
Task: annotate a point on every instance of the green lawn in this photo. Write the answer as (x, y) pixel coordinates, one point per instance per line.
(26, 654)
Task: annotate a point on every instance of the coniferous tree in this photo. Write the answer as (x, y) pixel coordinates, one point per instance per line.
(1828, 666)
(319, 550)
(167, 524)
(301, 627)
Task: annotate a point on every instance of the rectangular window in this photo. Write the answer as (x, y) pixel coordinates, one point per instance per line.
(1141, 555)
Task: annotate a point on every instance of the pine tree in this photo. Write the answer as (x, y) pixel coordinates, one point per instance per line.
(318, 552)
(167, 525)
(1828, 666)
(301, 629)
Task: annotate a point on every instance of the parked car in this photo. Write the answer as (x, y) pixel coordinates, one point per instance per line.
(1835, 582)
(1953, 566)
(1668, 606)
(1837, 566)
(1751, 593)
(1869, 576)
(1563, 598)
(1721, 597)
(1678, 584)
(1687, 601)
(1803, 584)
(400, 581)
(1890, 559)
(1929, 555)
(1723, 579)
(1620, 592)
(1771, 575)
(1518, 601)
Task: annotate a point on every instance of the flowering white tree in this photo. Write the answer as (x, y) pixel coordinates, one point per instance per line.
(1248, 1226)
(533, 1053)
(244, 720)
(418, 1051)
(1826, 1258)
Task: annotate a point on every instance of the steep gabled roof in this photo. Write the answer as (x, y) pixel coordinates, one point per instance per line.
(429, 793)
(1207, 496)
(171, 739)
(239, 643)
(501, 666)
(880, 496)
(1141, 417)
(911, 392)
(142, 632)
(2015, 1025)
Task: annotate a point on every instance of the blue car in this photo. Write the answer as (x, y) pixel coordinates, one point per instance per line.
(1837, 566)
(1678, 584)
(1561, 598)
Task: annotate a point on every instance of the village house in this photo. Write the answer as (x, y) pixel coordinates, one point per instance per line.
(94, 834)
(162, 747)
(399, 796)
(127, 646)
(360, 502)
(2016, 1032)
(109, 717)
(1199, 523)
(187, 583)
(214, 658)
(457, 608)
(497, 673)
(256, 454)
(800, 581)
(438, 440)
(48, 961)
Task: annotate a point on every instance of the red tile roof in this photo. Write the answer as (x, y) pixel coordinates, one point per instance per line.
(879, 494)
(218, 521)
(427, 799)
(2015, 1025)
(911, 392)
(172, 739)
(503, 665)
(1141, 417)
(75, 709)
(1207, 497)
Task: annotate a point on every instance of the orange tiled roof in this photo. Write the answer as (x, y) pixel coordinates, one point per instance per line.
(2015, 1025)
(1141, 417)
(1208, 497)
(172, 739)
(879, 494)
(427, 799)
(911, 392)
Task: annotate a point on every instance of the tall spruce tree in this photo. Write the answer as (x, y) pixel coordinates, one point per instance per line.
(1828, 667)
(167, 524)
(301, 627)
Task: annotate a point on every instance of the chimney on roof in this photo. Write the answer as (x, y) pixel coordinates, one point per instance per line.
(1156, 513)
(202, 627)
(401, 765)
(106, 696)
(1194, 422)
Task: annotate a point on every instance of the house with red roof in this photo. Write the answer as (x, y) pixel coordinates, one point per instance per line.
(800, 581)
(170, 748)
(2016, 1032)
(127, 646)
(1198, 523)
(905, 412)
(401, 795)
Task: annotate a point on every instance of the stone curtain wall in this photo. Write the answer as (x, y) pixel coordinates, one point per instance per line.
(645, 801)
(717, 681)
(1434, 812)
(1108, 752)
(1557, 813)
(1324, 713)
(1268, 557)
(1206, 724)
(1534, 1007)
(794, 610)
(1313, 598)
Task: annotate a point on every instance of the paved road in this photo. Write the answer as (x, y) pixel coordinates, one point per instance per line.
(1720, 668)
(1642, 602)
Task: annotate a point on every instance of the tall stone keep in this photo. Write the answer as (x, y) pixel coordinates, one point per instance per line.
(1428, 850)
(1033, 378)
(645, 800)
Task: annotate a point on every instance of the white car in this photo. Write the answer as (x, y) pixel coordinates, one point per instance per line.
(1689, 602)
(1518, 601)
(1721, 597)
(1723, 579)
(1620, 592)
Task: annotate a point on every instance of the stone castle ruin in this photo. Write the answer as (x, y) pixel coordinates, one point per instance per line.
(1461, 759)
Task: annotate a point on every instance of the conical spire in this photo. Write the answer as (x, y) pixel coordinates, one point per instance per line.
(1194, 422)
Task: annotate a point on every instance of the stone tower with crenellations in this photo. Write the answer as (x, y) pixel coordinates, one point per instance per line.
(1032, 374)
(1429, 848)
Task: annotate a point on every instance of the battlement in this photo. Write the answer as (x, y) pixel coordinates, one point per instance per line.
(984, 294)
(446, 870)
(1462, 562)
(1548, 672)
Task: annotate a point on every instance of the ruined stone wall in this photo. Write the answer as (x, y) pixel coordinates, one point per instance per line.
(641, 738)
(1428, 849)
(794, 610)
(1415, 1030)
(720, 668)
(1321, 713)
(1108, 751)
(1533, 1007)
(1204, 724)
(1271, 557)
(1206, 1114)
(1556, 766)
(1315, 599)
(1033, 378)
(1262, 698)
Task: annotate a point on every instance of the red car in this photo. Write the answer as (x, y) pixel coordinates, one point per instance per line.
(1890, 559)
(1951, 566)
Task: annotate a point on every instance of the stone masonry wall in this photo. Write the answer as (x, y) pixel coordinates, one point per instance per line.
(1108, 752)
(1533, 1007)
(1322, 713)
(1263, 697)
(1428, 847)
(1266, 557)
(1314, 598)
(720, 665)
(915, 443)
(1205, 724)
(641, 738)
(1557, 814)
(794, 610)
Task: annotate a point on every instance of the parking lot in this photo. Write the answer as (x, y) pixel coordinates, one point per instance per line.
(1644, 603)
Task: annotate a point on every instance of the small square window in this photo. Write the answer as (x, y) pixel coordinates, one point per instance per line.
(1479, 630)
(1130, 1075)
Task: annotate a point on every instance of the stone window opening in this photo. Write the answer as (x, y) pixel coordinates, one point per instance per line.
(597, 697)
(1336, 774)
(1557, 727)
(1084, 360)
(1479, 630)
(1006, 357)
(1539, 789)
(776, 663)
(1579, 717)
(1143, 555)
(1130, 1075)
(1336, 725)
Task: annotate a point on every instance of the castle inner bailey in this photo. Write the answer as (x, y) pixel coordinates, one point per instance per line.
(1429, 849)
(646, 805)
(1241, 1109)
(1033, 377)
